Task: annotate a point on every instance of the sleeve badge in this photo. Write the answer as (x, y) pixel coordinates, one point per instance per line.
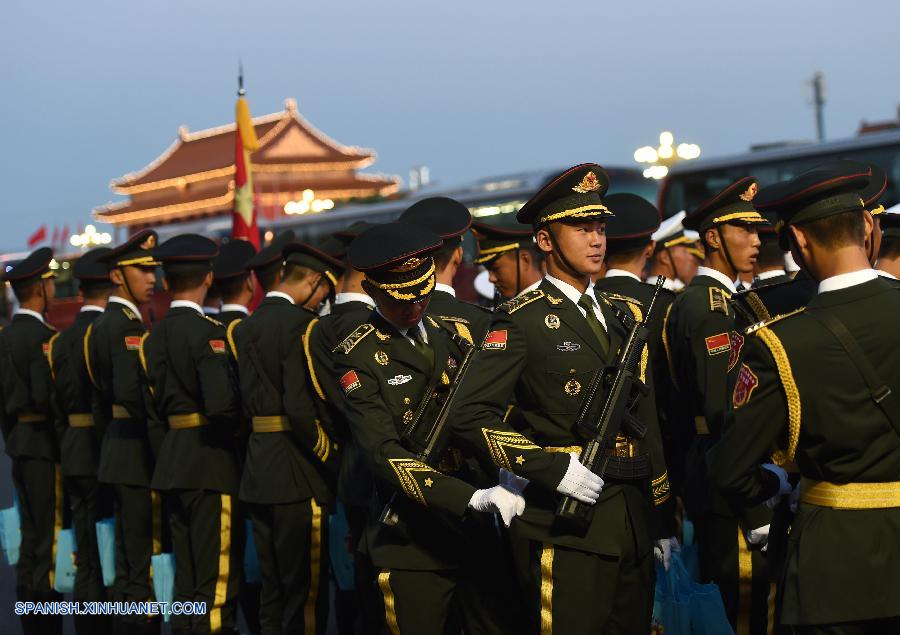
(737, 343)
(350, 381)
(495, 341)
(132, 342)
(716, 344)
(746, 382)
(217, 346)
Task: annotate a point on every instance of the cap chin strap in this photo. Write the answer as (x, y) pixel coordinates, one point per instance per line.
(518, 271)
(562, 256)
(725, 251)
(312, 292)
(44, 294)
(127, 286)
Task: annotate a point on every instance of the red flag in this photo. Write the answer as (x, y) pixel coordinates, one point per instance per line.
(55, 240)
(244, 224)
(64, 236)
(38, 237)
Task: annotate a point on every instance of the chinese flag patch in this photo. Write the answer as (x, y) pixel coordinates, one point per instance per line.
(350, 381)
(495, 340)
(218, 346)
(716, 344)
(46, 348)
(737, 343)
(746, 382)
(132, 342)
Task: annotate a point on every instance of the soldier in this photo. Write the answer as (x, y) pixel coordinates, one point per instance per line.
(133, 431)
(816, 388)
(28, 421)
(268, 262)
(514, 263)
(673, 254)
(704, 346)
(388, 367)
(543, 349)
(89, 501)
(449, 219)
(287, 482)
(769, 267)
(889, 255)
(234, 280)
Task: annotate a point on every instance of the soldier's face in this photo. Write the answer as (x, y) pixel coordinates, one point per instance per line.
(743, 246)
(502, 272)
(141, 282)
(403, 315)
(583, 245)
(685, 263)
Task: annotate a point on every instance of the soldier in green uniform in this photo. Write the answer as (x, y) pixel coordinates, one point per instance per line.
(449, 219)
(674, 253)
(29, 423)
(889, 256)
(514, 263)
(817, 388)
(543, 348)
(287, 480)
(189, 372)
(89, 501)
(234, 280)
(704, 346)
(385, 368)
(133, 430)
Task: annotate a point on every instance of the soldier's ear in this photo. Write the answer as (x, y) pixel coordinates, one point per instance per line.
(116, 276)
(711, 238)
(543, 240)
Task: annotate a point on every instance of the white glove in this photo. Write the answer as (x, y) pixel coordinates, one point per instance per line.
(513, 483)
(500, 500)
(662, 550)
(759, 536)
(784, 486)
(579, 482)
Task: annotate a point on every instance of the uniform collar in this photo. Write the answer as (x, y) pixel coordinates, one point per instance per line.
(621, 273)
(280, 294)
(765, 275)
(670, 284)
(717, 275)
(886, 274)
(186, 304)
(446, 288)
(123, 301)
(240, 308)
(575, 295)
(405, 332)
(90, 307)
(211, 310)
(844, 280)
(531, 287)
(349, 296)
(37, 316)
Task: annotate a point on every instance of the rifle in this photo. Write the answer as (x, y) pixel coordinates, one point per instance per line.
(428, 446)
(624, 391)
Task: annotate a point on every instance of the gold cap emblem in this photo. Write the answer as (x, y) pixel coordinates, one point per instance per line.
(589, 183)
(149, 242)
(750, 193)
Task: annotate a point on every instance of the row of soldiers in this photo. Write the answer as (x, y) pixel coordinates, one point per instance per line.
(291, 414)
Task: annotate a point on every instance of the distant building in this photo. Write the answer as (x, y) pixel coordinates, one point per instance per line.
(866, 127)
(193, 179)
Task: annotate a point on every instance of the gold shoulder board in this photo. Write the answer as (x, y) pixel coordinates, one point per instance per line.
(129, 313)
(755, 327)
(213, 320)
(621, 298)
(516, 303)
(452, 318)
(353, 339)
(718, 300)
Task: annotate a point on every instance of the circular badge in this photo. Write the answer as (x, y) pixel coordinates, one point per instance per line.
(572, 387)
(551, 321)
(381, 357)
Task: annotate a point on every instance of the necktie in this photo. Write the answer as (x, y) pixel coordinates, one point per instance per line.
(586, 303)
(420, 345)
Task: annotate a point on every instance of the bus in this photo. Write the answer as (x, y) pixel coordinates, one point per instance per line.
(690, 183)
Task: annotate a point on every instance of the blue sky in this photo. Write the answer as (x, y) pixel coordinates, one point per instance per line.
(96, 89)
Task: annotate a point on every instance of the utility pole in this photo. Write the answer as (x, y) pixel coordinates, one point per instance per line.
(818, 83)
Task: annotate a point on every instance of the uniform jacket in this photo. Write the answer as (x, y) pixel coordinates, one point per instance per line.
(468, 319)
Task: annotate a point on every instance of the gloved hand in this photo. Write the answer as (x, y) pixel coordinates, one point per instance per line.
(759, 536)
(513, 483)
(784, 486)
(662, 550)
(500, 500)
(579, 482)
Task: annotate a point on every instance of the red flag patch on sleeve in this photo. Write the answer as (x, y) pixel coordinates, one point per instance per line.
(218, 346)
(716, 344)
(737, 343)
(746, 382)
(495, 341)
(350, 381)
(132, 342)
(46, 348)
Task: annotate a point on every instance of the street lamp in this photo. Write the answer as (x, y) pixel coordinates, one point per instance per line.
(659, 159)
(308, 203)
(90, 237)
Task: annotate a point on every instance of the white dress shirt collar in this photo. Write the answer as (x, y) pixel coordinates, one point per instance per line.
(717, 275)
(575, 295)
(90, 307)
(350, 296)
(235, 307)
(886, 274)
(844, 280)
(446, 288)
(530, 287)
(621, 273)
(670, 284)
(280, 294)
(765, 275)
(129, 304)
(211, 310)
(34, 314)
(405, 332)
(186, 304)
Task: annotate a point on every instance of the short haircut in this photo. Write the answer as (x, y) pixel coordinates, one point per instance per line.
(890, 248)
(443, 256)
(230, 288)
(95, 292)
(24, 291)
(267, 277)
(296, 273)
(626, 255)
(770, 255)
(182, 281)
(537, 255)
(838, 230)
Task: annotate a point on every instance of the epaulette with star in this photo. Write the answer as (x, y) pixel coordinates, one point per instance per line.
(213, 320)
(765, 323)
(514, 304)
(131, 315)
(718, 300)
(353, 339)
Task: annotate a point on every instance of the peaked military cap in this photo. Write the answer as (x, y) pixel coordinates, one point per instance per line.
(492, 241)
(270, 256)
(232, 259)
(333, 247)
(671, 232)
(446, 217)
(347, 234)
(35, 266)
(576, 194)
(137, 251)
(305, 255)
(872, 193)
(397, 258)
(732, 205)
(890, 222)
(823, 191)
(91, 271)
(187, 253)
(635, 221)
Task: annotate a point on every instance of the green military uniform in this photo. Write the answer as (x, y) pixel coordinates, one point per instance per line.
(809, 395)
(542, 350)
(133, 430)
(189, 370)
(29, 423)
(89, 501)
(704, 347)
(890, 226)
(287, 481)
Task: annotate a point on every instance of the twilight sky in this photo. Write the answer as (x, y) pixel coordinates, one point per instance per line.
(96, 89)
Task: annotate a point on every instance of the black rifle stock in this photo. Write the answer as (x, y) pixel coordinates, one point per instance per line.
(624, 390)
(428, 447)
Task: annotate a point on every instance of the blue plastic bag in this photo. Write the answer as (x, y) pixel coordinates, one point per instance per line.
(11, 533)
(106, 545)
(65, 567)
(252, 574)
(163, 565)
(340, 549)
(685, 607)
(690, 553)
